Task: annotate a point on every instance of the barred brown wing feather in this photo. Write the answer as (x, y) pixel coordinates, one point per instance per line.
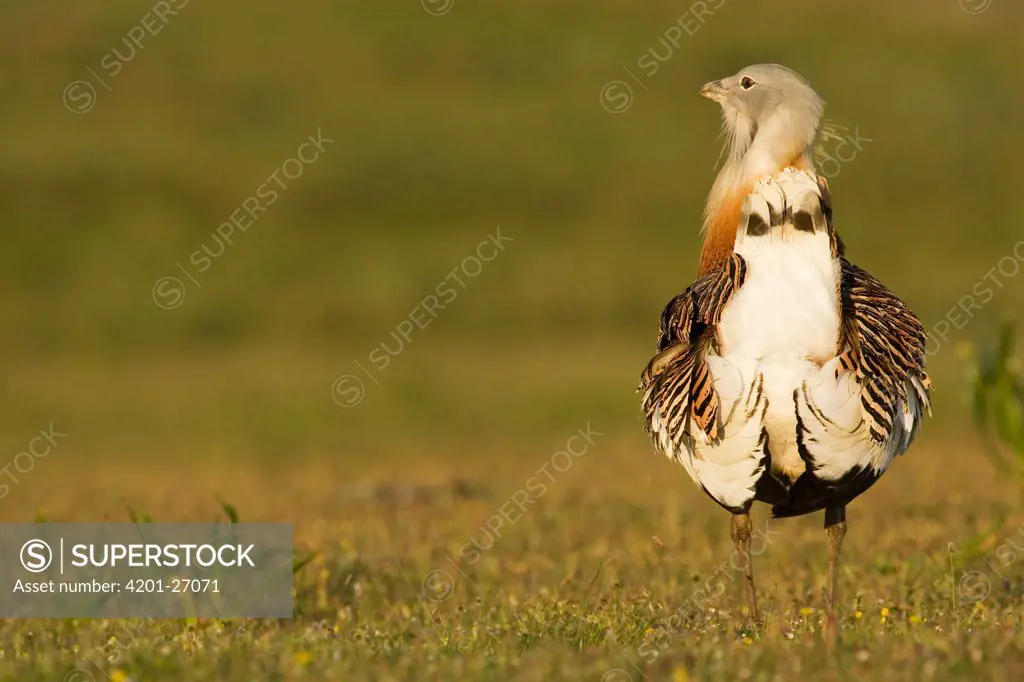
(686, 395)
(704, 401)
(700, 306)
(701, 412)
(678, 396)
(888, 343)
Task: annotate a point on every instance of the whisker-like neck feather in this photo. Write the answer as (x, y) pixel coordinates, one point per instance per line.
(739, 133)
(751, 152)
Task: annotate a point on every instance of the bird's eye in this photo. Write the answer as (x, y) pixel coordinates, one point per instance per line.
(747, 82)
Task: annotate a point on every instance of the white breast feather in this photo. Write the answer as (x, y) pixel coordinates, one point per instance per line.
(784, 321)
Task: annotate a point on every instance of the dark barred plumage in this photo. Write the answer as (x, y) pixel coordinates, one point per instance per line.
(888, 347)
(677, 384)
(700, 306)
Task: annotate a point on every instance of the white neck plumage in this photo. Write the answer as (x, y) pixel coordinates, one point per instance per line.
(752, 152)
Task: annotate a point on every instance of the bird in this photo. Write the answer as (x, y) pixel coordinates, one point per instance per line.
(784, 373)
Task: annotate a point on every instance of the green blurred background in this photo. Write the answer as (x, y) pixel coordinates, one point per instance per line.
(445, 127)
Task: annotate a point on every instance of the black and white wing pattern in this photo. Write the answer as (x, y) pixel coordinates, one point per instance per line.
(867, 404)
(889, 356)
(697, 408)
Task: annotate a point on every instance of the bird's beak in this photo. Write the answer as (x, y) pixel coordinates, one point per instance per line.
(713, 91)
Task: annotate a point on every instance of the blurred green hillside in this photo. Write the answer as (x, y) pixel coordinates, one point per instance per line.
(444, 128)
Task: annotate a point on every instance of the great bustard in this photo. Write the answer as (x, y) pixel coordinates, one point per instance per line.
(785, 374)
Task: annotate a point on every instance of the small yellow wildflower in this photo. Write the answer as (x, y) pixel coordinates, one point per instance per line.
(885, 615)
(648, 631)
(680, 675)
(914, 620)
(858, 615)
(303, 657)
(747, 640)
(806, 611)
(118, 675)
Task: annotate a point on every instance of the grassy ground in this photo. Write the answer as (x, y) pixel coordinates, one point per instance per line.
(615, 568)
(447, 129)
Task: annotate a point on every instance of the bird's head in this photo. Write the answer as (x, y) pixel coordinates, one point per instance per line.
(771, 117)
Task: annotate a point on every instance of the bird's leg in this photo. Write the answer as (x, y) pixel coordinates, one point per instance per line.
(740, 531)
(835, 529)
